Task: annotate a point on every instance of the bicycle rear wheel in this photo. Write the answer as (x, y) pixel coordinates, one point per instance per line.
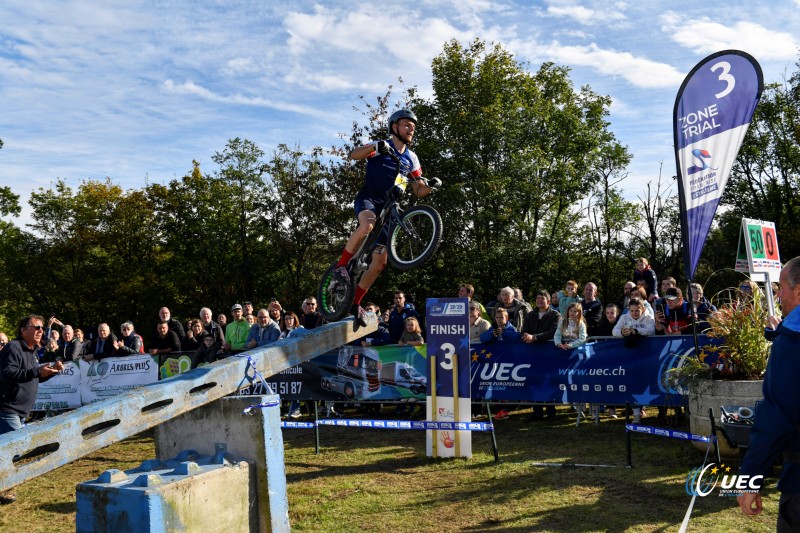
(334, 298)
(416, 238)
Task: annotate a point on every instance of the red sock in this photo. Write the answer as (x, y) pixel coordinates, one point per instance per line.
(359, 295)
(346, 256)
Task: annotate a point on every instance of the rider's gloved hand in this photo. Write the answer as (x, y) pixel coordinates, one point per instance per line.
(382, 147)
(434, 183)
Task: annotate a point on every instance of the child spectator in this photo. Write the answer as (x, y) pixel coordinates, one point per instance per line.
(504, 332)
(611, 315)
(412, 336)
(567, 296)
(648, 275)
(703, 308)
(207, 351)
(572, 331)
(634, 324)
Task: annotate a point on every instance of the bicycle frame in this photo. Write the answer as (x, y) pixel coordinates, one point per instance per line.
(390, 216)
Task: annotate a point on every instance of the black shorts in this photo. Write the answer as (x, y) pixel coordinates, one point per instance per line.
(366, 202)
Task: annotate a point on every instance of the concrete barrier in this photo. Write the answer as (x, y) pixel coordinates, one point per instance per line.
(212, 494)
(43, 446)
(256, 438)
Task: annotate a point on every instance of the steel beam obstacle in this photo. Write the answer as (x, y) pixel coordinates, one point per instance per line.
(44, 446)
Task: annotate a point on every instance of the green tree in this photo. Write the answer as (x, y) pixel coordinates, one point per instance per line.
(611, 223)
(765, 180)
(299, 206)
(93, 256)
(242, 168)
(517, 151)
(14, 242)
(197, 217)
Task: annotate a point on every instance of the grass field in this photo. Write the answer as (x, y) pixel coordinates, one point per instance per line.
(380, 480)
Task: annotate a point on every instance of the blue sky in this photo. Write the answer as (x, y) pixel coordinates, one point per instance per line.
(136, 90)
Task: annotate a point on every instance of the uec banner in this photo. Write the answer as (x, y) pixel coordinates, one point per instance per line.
(603, 372)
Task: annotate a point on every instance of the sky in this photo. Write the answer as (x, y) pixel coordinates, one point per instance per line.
(135, 90)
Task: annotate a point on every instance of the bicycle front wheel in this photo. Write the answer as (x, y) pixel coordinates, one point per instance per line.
(416, 238)
(334, 298)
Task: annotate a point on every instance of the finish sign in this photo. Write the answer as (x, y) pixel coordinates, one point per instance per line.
(448, 376)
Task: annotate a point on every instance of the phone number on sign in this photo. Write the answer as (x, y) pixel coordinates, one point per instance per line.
(283, 388)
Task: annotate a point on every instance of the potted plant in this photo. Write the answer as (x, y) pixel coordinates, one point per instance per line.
(728, 370)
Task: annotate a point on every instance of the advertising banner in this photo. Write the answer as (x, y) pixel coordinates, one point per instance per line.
(112, 375)
(60, 392)
(603, 372)
(713, 110)
(354, 373)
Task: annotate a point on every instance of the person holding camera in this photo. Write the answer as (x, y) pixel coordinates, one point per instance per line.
(20, 375)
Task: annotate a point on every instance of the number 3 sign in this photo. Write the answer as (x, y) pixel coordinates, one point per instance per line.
(449, 389)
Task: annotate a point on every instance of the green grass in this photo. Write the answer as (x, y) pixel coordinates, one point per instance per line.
(381, 480)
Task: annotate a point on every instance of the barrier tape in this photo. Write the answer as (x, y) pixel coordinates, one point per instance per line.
(297, 425)
(408, 424)
(681, 435)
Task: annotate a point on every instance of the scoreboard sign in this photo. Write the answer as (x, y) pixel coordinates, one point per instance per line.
(759, 257)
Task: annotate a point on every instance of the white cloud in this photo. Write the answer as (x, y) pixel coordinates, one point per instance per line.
(639, 71)
(240, 65)
(705, 36)
(587, 16)
(369, 36)
(191, 88)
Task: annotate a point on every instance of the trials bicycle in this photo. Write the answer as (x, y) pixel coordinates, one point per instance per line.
(414, 236)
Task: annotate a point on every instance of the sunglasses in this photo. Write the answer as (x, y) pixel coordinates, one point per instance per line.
(37, 328)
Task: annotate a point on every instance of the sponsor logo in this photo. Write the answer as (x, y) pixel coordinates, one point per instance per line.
(704, 480)
(700, 156)
(449, 309)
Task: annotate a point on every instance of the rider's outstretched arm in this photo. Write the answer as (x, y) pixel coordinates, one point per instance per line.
(365, 151)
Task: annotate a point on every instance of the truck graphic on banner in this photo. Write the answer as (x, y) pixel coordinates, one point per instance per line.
(403, 375)
(357, 374)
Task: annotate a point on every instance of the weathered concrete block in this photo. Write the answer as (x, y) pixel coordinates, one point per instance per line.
(255, 437)
(188, 493)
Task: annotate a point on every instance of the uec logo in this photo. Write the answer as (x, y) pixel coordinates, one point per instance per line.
(503, 371)
(702, 481)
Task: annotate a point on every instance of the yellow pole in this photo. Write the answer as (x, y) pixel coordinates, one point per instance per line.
(456, 434)
(434, 444)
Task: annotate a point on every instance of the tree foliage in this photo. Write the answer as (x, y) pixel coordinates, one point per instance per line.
(517, 152)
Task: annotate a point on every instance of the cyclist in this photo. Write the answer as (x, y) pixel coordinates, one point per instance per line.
(370, 200)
